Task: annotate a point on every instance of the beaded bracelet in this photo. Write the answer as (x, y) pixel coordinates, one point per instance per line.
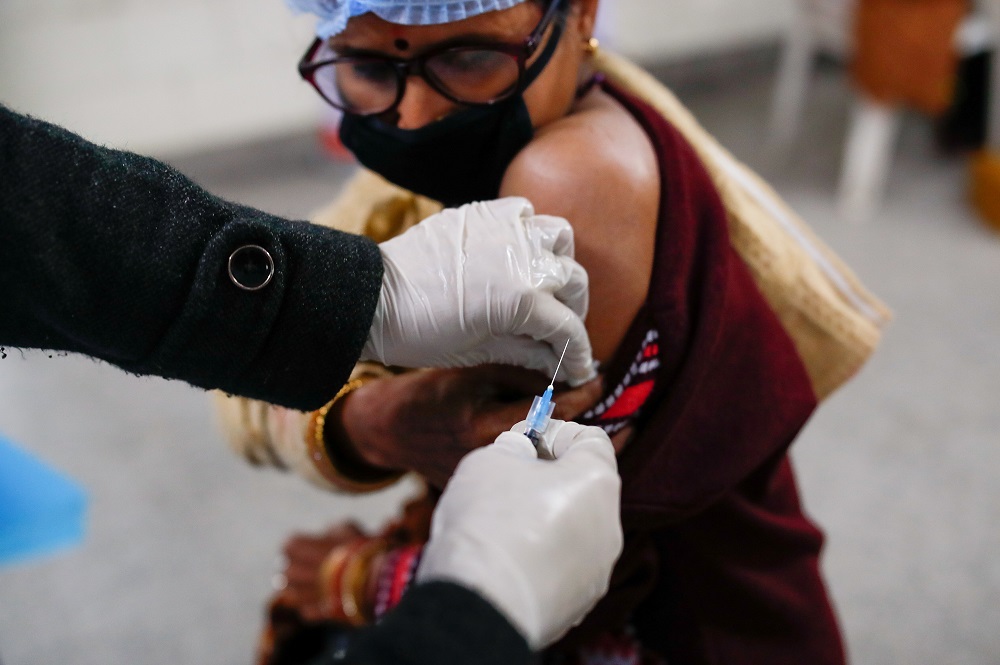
(395, 575)
(332, 465)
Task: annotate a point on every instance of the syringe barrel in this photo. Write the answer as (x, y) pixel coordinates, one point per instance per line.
(538, 417)
(540, 412)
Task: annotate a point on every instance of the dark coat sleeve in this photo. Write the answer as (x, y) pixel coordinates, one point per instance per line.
(122, 258)
(438, 623)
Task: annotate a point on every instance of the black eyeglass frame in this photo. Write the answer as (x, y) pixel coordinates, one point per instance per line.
(406, 67)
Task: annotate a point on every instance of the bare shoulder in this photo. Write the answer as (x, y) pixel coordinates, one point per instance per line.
(597, 168)
(598, 154)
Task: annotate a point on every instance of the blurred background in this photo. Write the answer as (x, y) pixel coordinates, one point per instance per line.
(901, 467)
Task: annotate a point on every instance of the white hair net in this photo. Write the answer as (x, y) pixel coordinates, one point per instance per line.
(333, 14)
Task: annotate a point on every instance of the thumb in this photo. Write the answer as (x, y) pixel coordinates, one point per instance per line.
(514, 443)
(573, 443)
(571, 403)
(545, 319)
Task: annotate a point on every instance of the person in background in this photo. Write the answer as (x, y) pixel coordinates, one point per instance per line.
(703, 386)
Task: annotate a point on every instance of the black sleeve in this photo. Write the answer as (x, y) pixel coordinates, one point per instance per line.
(120, 257)
(438, 623)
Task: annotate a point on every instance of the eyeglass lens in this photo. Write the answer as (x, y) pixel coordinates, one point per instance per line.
(367, 85)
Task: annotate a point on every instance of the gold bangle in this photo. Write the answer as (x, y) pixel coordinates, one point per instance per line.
(330, 571)
(343, 580)
(354, 583)
(326, 463)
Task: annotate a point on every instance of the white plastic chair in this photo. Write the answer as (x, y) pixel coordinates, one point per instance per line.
(825, 26)
(817, 26)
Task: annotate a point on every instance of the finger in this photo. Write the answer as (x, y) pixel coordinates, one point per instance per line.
(553, 234)
(296, 545)
(571, 403)
(313, 612)
(548, 320)
(551, 434)
(489, 426)
(498, 419)
(345, 531)
(513, 349)
(308, 551)
(501, 210)
(575, 292)
(579, 445)
(563, 432)
(516, 444)
(512, 381)
(302, 576)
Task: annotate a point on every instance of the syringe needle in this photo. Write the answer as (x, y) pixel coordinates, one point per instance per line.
(542, 407)
(559, 364)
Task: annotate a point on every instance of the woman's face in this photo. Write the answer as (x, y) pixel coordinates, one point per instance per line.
(547, 99)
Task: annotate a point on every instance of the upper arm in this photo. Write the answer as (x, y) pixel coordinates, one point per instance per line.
(602, 177)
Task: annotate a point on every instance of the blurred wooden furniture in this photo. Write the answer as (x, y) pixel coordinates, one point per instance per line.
(826, 26)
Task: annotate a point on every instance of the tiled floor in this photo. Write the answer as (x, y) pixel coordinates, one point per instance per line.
(902, 467)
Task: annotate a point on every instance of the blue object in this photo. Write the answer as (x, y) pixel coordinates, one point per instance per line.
(541, 409)
(539, 416)
(333, 14)
(41, 510)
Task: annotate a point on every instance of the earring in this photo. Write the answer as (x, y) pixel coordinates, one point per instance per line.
(591, 45)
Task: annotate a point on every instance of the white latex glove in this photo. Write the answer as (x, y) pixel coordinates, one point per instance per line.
(536, 538)
(489, 282)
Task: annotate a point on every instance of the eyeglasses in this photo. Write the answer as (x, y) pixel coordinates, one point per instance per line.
(469, 74)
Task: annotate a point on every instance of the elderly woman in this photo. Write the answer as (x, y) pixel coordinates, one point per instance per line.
(702, 388)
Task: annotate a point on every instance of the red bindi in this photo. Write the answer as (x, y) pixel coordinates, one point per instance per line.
(398, 40)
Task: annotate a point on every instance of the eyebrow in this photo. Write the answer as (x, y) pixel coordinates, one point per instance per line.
(474, 39)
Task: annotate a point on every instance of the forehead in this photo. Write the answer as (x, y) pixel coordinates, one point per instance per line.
(368, 31)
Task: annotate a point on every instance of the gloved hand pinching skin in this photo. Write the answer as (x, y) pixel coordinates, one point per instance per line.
(536, 538)
(427, 421)
(488, 282)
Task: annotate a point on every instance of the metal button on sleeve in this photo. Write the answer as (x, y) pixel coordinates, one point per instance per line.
(251, 267)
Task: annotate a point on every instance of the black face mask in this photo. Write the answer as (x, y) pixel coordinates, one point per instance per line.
(456, 160)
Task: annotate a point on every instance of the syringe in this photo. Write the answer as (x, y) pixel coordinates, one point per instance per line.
(541, 408)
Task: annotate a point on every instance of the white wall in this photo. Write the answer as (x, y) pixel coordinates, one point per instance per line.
(166, 76)
(156, 75)
(663, 29)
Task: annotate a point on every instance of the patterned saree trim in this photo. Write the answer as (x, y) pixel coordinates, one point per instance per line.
(623, 405)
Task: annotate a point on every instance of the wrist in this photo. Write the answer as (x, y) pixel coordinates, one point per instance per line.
(331, 451)
(494, 578)
(346, 577)
(349, 426)
(436, 619)
(373, 349)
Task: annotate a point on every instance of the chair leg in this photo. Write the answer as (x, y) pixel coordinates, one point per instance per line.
(867, 157)
(788, 102)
